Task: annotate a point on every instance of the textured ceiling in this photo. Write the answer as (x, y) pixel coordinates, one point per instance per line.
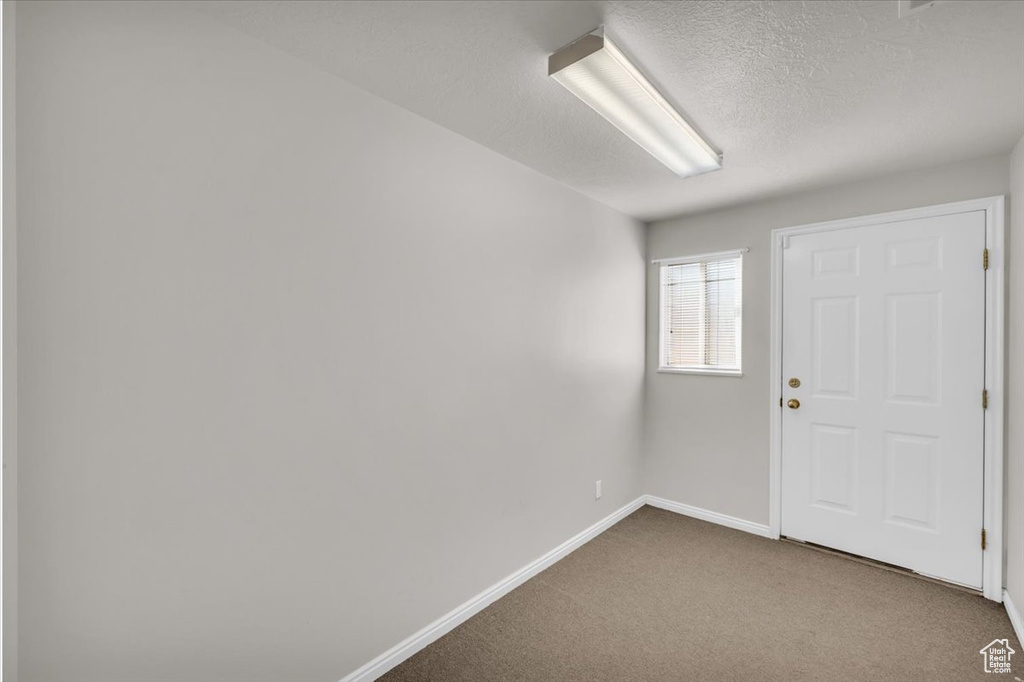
(796, 94)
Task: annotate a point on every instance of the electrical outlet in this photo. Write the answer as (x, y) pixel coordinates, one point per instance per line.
(597, 490)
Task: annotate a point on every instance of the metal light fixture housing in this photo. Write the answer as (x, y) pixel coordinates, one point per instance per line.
(596, 71)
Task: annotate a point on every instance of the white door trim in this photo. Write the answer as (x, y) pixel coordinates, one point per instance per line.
(992, 574)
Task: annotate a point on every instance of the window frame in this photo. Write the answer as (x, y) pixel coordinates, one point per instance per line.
(662, 263)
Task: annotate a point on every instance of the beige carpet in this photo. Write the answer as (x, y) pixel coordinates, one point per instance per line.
(664, 597)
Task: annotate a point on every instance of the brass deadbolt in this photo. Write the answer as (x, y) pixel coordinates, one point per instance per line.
(794, 383)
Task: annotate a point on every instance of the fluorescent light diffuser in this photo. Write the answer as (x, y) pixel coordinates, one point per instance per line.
(596, 71)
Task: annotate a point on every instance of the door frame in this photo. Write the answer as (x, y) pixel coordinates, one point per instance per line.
(995, 335)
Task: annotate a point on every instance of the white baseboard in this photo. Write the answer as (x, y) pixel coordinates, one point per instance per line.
(445, 624)
(713, 517)
(1015, 616)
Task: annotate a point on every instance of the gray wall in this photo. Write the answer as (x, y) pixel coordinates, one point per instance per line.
(300, 371)
(10, 359)
(1015, 397)
(707, 437)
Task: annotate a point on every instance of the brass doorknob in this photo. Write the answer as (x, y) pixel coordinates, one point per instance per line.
(793, 403)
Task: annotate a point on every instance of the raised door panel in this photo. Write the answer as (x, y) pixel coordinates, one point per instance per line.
(914, 347)
(834, 346)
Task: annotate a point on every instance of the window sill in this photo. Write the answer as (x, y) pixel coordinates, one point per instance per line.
(737, 373)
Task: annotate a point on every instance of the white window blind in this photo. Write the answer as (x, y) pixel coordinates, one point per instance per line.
(702, 313)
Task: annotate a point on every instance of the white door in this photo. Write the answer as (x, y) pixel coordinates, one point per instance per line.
(884, 328)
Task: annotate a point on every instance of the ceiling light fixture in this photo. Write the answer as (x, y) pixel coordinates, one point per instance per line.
(596, 71)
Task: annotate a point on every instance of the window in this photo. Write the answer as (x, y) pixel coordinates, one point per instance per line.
(702, 314)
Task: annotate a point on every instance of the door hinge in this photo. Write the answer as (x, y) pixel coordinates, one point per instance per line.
(984, 399)
(984, 259)
(984, 540)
